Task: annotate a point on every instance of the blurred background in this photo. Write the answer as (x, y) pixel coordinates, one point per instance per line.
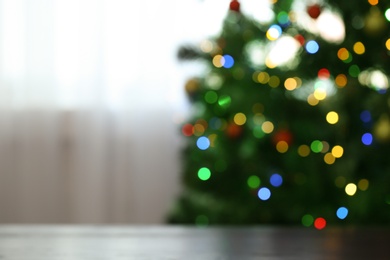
(91, 94)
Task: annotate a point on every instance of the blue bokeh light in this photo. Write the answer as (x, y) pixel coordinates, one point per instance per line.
(342, 213)
(276, 180)
(264, 193)
(365, 116)
(203, 143)
(367, 139)
(312, 47)
(229, 61)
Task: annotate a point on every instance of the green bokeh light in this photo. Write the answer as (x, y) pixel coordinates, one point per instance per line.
(224, 101)
(253, 182)
(204, 173)
(307, 220)
(258, 132)
(316, 146)
(211, 97)
(354, 71)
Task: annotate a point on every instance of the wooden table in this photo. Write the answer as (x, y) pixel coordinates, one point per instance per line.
(178, 242)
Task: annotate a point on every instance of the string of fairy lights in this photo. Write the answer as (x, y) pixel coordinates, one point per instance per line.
(314, 92)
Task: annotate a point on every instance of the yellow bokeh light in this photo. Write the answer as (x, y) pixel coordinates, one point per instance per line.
(329, 158)
(274, 81)
(282, 146)
(198, 129)
(343, 54)
(270, 64)
(337, 151)
(272, 34)
(218, 61)
(350, 189)
(363, 184)
(332, 117)
(290, 84)
(373, 2)
(359, 48)
(267, 127)
(263, 77)
(319, 94)
(388, 44)
(303, 150)
(312, 100)
(206, 46)
(239, 119)
(341, 80)
(212, 139)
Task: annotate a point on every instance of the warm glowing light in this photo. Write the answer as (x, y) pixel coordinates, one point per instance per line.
(359, 48)
(350, 189)
(187, 130)
(332, 117)
(344, 55)
(341, 80)
(319, 94)
(206, 46)
(337, 151)
(329, 158)
(267, 127)
(282, 146)
(323, 73)
(312, 100)
(199, 129)
(373, 2)
(274, 81)
(363, 184)
(387, 15)
(204, 174)
(218, 61)
(282, 52)
(290, 84)
(303, 150)
(212, 139)
(263, 77)
(239, 119)
(331, 27)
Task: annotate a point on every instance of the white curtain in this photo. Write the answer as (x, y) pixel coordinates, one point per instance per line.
(90, 97)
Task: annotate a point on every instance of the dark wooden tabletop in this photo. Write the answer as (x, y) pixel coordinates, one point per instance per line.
(178, 242)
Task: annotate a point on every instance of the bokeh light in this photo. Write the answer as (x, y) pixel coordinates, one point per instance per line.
(316, 146)
(274, 32)
(290, 84)
(303, 150)
(367, 139)
(211, 96)
(307, 220)
(203, 143)
(239, 119)
(365, 116)
(312, 47)
(342, 212)
(344, 55)
(188, 130)
(359, 48)
(264, 193)
(228, 61)
(337, 151)
(224, 101)
(282, 146)
(387, 14)
(267, 127)
(253, 182)
(341, 80)
(218, 61)
(320, 223)
(276, 180)
(350, 189)
(363, 184)
(332, 117)
(329, 158)
(204, 173)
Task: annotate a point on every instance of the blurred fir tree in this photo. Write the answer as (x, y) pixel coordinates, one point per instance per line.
(291, 122)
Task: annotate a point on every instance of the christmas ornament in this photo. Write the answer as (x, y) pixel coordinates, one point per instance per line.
(314, 10)
(234, 6)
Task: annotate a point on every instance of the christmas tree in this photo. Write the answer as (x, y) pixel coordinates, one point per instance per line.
(291, 121)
